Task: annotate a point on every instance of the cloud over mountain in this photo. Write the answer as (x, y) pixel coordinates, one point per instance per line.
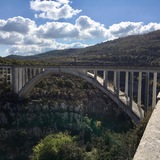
(131, 28)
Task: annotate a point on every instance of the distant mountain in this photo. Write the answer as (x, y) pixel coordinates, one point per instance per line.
(131, 50)
(65, 52)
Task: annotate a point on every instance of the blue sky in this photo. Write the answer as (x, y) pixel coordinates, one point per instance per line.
(34, 26)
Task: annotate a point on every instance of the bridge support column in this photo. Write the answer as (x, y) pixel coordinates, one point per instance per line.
(26, 74)
(139, 89)
(126, 85)
(23, 77)
(85, 72)
(39, 70)
(117, 82)
(20, 77)
(105, 79)
(146, 91)
(15, 80)
(95, 74)
(154, 90)
(30, 73)
(131, 89)
(34, 72)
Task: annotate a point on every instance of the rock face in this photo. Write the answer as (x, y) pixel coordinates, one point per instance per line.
(149, 147)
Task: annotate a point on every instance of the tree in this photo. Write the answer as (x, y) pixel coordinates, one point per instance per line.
(57, 147)
(86, 129)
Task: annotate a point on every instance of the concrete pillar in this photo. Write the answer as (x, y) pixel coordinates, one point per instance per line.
(34, 72)
(115, 81)
(154, 90)
(131, 89)
(20, 79)
(30, 72)
(139, 89)
(118, 82)
(39, 70)
(23, 77)
(146, 91)
(15, 79)
(126, 84)
(10, 75)
(84, 71)
(95, 74)
(105, 78)
(26, 74)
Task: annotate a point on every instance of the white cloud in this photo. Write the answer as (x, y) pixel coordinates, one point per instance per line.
(24, 37)
(89, 28)
(24, 50)
(84, 28)
(72, 45)
(57, 30)
(10, 38)
(35, 49)
(17, 24)
(54, 10)
(131, 28)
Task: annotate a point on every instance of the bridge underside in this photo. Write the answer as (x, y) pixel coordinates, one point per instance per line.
(119, 97)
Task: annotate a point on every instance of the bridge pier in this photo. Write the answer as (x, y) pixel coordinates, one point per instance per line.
(139, 97)
(117, 83)
(15, 80)
(146, 91)
(154, 89)
(23, 76)
(126, 84)
(95, 74)
(131, 89)
(105, 79)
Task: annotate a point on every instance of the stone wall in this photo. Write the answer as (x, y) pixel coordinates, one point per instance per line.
(149, 147)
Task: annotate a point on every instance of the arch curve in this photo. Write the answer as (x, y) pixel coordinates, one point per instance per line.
(38, 78)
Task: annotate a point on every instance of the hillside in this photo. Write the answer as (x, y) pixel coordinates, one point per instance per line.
(132, 50)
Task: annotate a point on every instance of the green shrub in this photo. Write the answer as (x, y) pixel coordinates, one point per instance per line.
(57, 147)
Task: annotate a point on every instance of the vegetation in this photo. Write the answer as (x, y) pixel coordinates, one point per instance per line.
(109, 145)
(57, 146)
(98, 128)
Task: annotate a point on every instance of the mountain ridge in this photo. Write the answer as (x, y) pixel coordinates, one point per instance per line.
(131, 50)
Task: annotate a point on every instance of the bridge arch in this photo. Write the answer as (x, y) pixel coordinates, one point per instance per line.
(81, 74)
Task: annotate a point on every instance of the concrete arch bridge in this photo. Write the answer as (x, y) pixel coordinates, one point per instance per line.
(133, 89)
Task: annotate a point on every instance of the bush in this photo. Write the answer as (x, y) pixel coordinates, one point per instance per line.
(57, 147)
